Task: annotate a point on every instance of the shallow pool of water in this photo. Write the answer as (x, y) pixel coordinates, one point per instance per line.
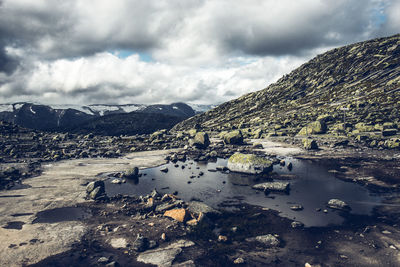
(313, 188)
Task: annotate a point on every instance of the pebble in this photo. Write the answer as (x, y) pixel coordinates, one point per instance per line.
(238, 261)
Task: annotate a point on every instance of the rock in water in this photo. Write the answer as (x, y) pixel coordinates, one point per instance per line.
(338, 204)
(249, 163)
(201, 140)
(309, 144)
(132, 173)
(273, 186)
(233, 138)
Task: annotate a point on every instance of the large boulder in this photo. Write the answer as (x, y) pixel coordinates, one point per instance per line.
(309, 144)
(249, 163)
(234, 138)
(316, 127)
(201, 140)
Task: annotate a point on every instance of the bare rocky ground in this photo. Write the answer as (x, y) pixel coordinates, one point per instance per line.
(46, 220)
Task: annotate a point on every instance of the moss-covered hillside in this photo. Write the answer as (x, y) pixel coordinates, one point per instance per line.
(358, 85)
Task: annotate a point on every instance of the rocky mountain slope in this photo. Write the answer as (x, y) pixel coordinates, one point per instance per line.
(352, 90)
(67, 117)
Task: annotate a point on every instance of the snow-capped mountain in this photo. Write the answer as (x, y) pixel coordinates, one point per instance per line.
(61, 117)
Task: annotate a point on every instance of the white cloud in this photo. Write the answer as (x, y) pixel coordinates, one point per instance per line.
(203, 51)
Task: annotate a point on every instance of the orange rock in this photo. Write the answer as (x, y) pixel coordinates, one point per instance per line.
(177, 214)
(192, 222)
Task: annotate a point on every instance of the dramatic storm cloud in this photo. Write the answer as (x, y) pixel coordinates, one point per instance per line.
(135, 51)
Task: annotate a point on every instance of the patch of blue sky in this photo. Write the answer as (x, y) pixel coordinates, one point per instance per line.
(378, 14)
(123, 53)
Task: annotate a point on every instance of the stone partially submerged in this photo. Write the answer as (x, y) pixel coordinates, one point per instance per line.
(249, 163)
(338, 205)
(273, 186)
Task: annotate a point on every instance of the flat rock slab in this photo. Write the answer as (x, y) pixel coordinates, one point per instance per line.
(60, 185)
(273, 186)
(164, 256)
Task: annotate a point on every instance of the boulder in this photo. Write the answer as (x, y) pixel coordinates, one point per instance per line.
(273, 186)
(234, 138)
(249, 163)
(95, 190)
(338, 204)
(201, 140)
(309, 144)
(316, 127)
(132, 173)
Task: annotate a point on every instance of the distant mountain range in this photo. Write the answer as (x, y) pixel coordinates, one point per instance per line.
(76, 118)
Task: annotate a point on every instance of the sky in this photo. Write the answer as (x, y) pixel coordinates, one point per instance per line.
(164, 51)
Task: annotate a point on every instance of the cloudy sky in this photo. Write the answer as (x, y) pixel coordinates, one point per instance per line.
(163, 51)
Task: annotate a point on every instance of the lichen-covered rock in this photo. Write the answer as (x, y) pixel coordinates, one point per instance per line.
(309, 144)
(234, 138)
(201, 140)
(249, 163)
(316, 127)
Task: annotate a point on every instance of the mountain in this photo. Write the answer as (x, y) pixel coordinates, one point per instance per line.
(67, 117)
(357, 84)
(127, 123)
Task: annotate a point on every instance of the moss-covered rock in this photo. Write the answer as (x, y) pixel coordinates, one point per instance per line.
(201, 140)
(249, 163)
(234, 138)
(316, 127)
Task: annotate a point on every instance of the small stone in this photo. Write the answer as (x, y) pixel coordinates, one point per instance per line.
(296, 207)
(102, 260)
(386, 232)
(163, 237)
(116, 181)
(164, 169)
(297, 224)
(238, 261)
(119, 242)
(222, 238)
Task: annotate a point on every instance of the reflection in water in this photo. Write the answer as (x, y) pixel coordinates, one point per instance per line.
(312, 188)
